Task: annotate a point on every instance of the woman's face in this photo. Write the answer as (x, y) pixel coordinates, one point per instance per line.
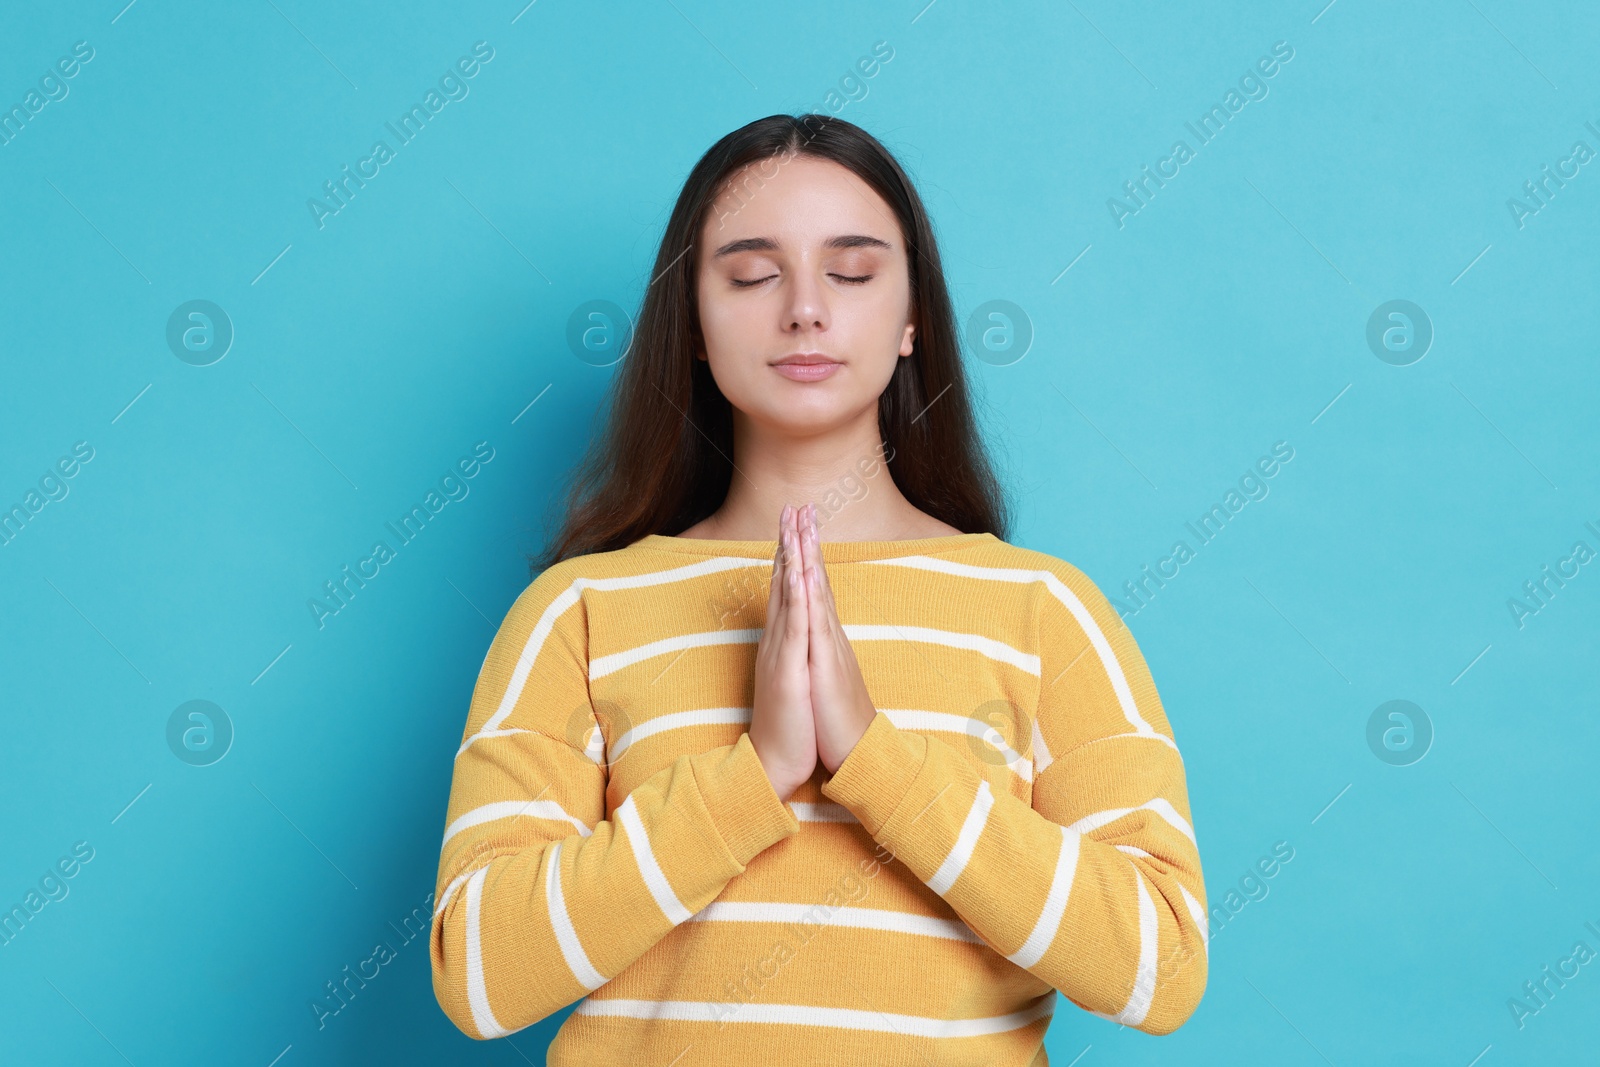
(800, 257)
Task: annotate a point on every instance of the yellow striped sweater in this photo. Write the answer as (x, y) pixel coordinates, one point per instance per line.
(1014, 822)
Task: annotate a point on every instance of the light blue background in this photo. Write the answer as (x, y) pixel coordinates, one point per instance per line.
(1228, 314)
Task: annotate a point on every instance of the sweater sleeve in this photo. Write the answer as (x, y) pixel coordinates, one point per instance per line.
(1095, 888)
(543, 894)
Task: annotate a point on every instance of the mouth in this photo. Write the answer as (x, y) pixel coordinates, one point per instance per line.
(804, 359)
(806, 366)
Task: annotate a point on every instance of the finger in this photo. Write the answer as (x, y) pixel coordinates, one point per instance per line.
(795, 610)
(784, 567)
(775, 586)
(779, 603)
(825, 588)
(807, 551)
(783, 520)
(818, 588)
(816, 605)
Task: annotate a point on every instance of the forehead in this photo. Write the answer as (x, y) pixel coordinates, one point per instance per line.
(798, 201)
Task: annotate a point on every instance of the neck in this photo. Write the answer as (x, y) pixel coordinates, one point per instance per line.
(842, 471)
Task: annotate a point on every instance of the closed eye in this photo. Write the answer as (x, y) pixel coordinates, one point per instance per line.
(858, 279)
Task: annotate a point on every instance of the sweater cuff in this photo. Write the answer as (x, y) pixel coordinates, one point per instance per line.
(745, 810)
(878, 772)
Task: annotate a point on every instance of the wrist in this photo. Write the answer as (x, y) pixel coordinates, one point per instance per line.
(783, 781)
(848, 736)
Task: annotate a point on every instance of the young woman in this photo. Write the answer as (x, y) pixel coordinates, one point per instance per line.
(786, 755)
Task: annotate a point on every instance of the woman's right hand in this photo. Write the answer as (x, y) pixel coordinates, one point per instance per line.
(781, 727)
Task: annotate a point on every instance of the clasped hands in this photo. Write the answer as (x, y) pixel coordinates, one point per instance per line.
(811, 703)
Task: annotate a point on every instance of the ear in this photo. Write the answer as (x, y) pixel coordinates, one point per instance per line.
(905, 339)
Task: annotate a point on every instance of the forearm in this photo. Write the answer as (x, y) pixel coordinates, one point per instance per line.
(526, 925)
(1107, 907)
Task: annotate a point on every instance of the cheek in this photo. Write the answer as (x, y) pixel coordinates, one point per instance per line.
(890, 313)
(877, 370)
(878, 335)
(726, 332)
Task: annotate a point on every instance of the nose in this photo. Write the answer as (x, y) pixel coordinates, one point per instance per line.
(807, 307)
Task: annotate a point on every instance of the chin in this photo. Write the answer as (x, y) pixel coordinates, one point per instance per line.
(816, 415)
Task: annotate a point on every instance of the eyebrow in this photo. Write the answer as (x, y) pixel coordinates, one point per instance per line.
(767, 244)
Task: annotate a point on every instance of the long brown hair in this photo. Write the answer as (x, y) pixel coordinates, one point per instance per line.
(665, 459)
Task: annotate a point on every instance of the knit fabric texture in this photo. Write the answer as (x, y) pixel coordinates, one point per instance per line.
(1014, 823)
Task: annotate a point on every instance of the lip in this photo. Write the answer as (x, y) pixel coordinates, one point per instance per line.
(804, 359)
(806, 366)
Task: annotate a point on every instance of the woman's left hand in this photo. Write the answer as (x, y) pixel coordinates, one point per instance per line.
(840, 705)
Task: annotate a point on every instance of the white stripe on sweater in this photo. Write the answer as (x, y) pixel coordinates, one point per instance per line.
(812, 1015)
(1160, 805)
(677, 720)
(561, 923)
(450, 890)
(594, 744)
(1144, 979)
(1198, 914)
(600, 666)
(1055, 904)
(822, 915)
(909, 719)
(510, 809)
(988, 646)
(966, 841)
(1041, 751)
(477, 993)
(654, 878)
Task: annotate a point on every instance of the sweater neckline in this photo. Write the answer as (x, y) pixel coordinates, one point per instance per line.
(832, 551)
